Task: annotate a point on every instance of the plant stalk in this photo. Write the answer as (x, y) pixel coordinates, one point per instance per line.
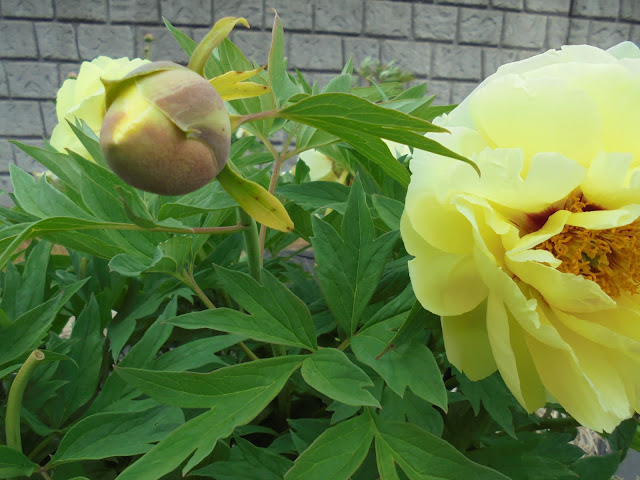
(252, 243)
(279, 159)
(14, 402)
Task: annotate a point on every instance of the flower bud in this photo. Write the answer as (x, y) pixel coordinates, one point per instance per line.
(166, 129)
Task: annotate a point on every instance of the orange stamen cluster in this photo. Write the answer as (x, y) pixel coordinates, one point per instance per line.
(609, 257)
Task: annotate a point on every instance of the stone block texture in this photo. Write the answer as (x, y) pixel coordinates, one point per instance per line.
(451, 44)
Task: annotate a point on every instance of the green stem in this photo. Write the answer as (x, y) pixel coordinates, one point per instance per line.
(254, 259)
(14, 402)
(248, 351)
(238, 120)
(187, 278)
(279, 159)
(343, 346)
(45, 475)
(41, 446)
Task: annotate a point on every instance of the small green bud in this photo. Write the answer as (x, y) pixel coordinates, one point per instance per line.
(166, 129)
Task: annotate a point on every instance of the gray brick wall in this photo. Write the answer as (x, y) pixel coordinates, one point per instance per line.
(453, 44)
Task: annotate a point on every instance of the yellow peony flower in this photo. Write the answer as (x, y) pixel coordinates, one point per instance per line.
(535, 266)
(320, 166)
(84, 98)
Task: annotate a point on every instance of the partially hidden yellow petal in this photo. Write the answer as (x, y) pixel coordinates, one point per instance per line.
(512, 356)
(467, 343)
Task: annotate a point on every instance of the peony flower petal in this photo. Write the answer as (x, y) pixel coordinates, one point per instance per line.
(617, 329)
(65, 99)
(628, 369)
(553, 226)
(615, 90)
(593, 360)
(444, 283)
(625, 50)
(513, 112)
(467, 343)
(603, 219)
(502, 180)
(564, 379)
(610, 182)
(320, 166)
(566, 291)
(428, 202)
(512, 356)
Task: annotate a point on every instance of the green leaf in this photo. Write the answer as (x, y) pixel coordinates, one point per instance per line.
(28, 329)
(263, 328)
(204, 390)
(597, 467)
(413, 324)
(119, 434)
(341, 108)
(196, 354)
(423, 456)
(316, 194)
(635, 443)
(398, 367)
(400, 304)
(123, 324)
(10, 369)
(413, 409)
(415, 92)
(385, 462)
(339, 84)
(235, 394)
(41, 199)
(390, 210)
(281, 85)
(301, 220)
(14, 463)
(349, 268)
(331, 373)
(89, 140)
(60, 164)
(82, 375)
(54, 229)
(495, 397)
(337, 453)
(209, 198)
(271, 303)
(248, 462)
(362, 124)
(31, 293)
(533, 456)
(171, 256)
